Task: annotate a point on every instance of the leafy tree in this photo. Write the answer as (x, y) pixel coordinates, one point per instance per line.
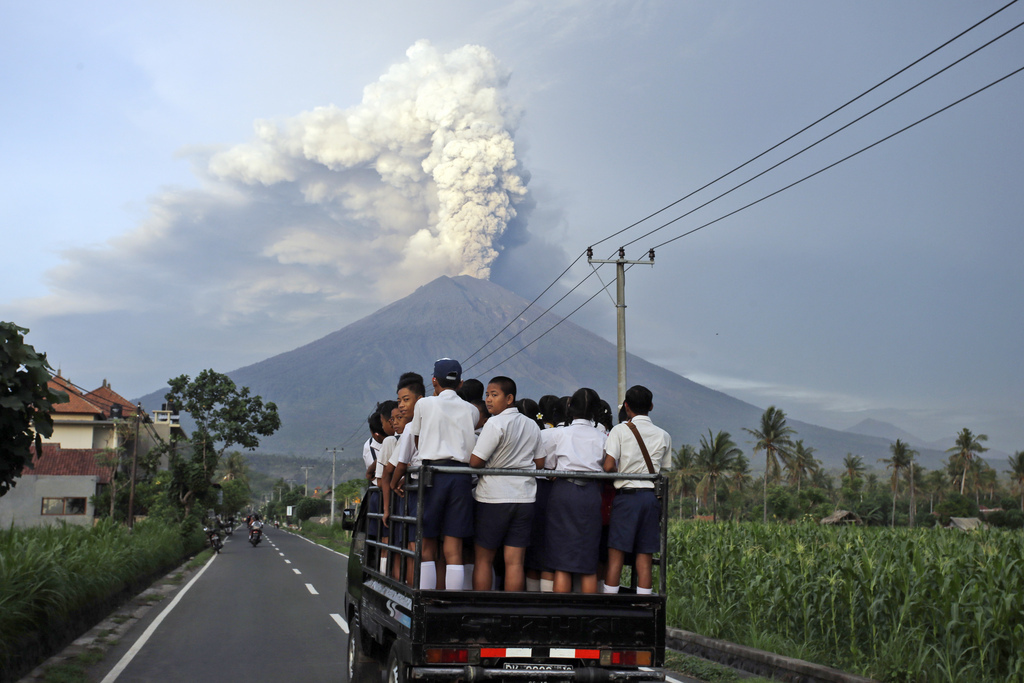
(773, 438)
(26, 402)
(1016, 473)
(801, 464)
(235, 468)
(683, 475)
(225, 416)
(901, 459)
(716, 458)
(967, 448)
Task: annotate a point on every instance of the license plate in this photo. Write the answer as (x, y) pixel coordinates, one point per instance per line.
(518, 666)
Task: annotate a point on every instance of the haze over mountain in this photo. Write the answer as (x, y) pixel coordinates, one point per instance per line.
(324, 390)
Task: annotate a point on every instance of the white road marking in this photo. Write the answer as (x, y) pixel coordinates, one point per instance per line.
(311, 590)
(296, 570)
(281, 554)
(148, 633)
(287, 561)
(344, 624)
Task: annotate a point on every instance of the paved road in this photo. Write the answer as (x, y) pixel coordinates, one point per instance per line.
(269, 613)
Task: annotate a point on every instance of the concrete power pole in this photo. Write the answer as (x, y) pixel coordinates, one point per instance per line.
(334, 462)
(306, 469)
(620, 306)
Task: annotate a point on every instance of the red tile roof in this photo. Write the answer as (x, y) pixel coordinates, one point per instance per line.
(105, 397)
(69, 462)
(77, 404)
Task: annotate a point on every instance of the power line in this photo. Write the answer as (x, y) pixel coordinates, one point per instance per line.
(737, 168)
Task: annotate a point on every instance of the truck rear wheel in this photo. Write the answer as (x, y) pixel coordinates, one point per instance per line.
(396, 667)
(361, 667)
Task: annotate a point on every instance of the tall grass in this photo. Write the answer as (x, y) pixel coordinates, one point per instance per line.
(52, 579)
(918, 605)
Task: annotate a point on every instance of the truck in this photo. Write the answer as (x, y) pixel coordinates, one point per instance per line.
(398, 632)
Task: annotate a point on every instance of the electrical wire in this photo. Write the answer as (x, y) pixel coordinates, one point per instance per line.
(512, 319)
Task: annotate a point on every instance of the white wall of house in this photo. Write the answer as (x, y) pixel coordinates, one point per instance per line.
(23, 504)
(83, 433)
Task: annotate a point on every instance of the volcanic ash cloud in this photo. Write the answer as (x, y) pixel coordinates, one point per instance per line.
(421, 174)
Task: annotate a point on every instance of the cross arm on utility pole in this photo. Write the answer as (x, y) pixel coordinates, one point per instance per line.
(620, 306)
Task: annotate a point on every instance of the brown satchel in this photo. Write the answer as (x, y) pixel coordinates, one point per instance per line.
(643, 446)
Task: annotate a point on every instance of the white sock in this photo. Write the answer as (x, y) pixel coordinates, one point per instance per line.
(610, 589)
(533, 585)
(547, 586)
(454, 577)
(467, 583)
(644, 591)
(428, 576)
(384, 565)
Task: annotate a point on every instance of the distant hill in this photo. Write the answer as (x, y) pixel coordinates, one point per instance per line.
(324, 390)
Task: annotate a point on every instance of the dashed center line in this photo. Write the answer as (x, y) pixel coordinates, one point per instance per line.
(312, 590)
(341, 622)
(296, 570)
(287, 561)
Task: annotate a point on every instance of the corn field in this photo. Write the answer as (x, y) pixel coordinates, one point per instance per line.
(901, 604)
(53, 577)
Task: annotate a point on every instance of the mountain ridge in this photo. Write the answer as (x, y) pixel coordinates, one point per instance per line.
(325, 389)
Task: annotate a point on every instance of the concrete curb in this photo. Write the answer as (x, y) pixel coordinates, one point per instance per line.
(757, 662)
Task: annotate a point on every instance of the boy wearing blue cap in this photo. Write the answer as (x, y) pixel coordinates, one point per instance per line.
(443, 428)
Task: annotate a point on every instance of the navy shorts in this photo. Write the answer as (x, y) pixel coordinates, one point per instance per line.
(404, 506)
(499, 524)
(574, 527)
(448, 506)
(535, 551)
(636, 520)
(372, 505)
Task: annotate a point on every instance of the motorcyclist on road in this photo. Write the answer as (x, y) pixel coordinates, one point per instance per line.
(255, 526)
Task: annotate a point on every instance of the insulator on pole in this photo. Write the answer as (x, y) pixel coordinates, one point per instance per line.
(622, 252)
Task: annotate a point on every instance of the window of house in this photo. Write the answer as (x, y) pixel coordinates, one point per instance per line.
(63, 506)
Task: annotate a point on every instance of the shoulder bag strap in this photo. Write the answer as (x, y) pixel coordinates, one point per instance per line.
(643, 446)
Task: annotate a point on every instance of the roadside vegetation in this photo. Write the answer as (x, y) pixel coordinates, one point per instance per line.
(915, 605)
(56, 581)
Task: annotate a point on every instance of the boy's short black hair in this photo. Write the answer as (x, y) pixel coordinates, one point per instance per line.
(385, 408)
(375, 423)
(471, 391)
(413, 382)
(640, 399)
(506, 384)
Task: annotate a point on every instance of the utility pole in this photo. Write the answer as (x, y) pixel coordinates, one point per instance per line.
(620, 306)
(135, 460)
(334, 462)
(307, 468)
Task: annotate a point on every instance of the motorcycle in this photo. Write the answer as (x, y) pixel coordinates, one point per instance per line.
(255, 536)
(213, 536)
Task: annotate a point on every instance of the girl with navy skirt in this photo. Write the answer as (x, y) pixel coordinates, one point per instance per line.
(573, 534)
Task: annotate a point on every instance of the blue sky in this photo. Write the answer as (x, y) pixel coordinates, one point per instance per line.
(190, 185)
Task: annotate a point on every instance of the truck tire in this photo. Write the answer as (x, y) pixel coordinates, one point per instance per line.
(361, 667)
(395, 672)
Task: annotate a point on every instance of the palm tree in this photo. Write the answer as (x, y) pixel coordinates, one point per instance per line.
(1016, 473)
(914, 475)
(802, 464)
(937, 481)
(902, 458)
(683, 475)
(235, 467)
(967, 447)
(738, 479)
(716, 458)
(774, 439)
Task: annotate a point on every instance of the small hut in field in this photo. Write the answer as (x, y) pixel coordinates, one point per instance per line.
(844, 518)
(966, 523)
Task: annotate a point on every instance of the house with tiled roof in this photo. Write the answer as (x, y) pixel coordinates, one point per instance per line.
(87, 419)
(58, 487)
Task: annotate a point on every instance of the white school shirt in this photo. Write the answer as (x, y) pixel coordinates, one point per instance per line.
(405, 450)
(578, 447)
(444, 425)
(508, 440)
(387, 447)
(625, 449)
(369, 453)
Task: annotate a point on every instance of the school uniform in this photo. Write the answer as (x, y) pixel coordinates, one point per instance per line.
(370, 449)
(504, 510)
(444, 425)
(573, 532)
(636, 512)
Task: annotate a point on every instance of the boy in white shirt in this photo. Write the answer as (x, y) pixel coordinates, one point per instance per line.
(636, 512)
(443, 429)
(504, 509)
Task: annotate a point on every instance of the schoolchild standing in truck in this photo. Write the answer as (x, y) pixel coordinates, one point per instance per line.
(636, 512)
(574, 505)
(443, 427)
(410, 390)
(504, 505)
